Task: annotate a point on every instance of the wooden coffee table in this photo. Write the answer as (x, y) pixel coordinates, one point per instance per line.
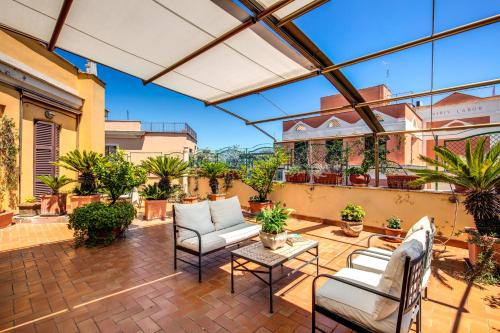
(256, 253)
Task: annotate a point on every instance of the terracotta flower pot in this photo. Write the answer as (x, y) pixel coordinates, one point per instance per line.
(81, 200)
(329, 178)
(5, 218)
(155, 209)
(53, 204)
(215, 197)
(359, 180)
(29, 209)
(475, 250)
(351, 228)
(257, 207)
(190, 199)
(402, 182)
(273, 241)
(393, 232)
(301, 177)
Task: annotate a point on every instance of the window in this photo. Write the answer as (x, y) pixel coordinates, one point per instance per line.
(300, 127)
(333, 123)
(110, 149)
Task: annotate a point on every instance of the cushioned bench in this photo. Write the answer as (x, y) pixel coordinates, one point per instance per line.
(208, 226)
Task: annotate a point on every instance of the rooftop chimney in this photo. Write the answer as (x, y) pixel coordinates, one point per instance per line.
(91, 67)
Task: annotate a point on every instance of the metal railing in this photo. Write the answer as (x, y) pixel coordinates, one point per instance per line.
(169, 127)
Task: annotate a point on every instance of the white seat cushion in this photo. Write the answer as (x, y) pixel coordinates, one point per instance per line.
(370, 264)
(357, 304)
(226, 213)
(221, 238)
(195, 216)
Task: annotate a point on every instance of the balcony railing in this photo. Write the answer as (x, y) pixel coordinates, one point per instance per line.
(166, 127)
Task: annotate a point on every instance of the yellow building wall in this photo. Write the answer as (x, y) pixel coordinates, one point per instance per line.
(324, 203)
(91, 128)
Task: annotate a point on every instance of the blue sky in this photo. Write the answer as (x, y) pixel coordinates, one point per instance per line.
(343, 29)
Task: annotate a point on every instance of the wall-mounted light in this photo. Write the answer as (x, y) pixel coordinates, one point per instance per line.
(49, 114)
(2, 109)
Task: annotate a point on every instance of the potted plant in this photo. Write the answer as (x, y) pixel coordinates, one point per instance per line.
(328, 178)
(83, 163)
(352, 220)
(213, 171)
(155, 202)
(54, 204)
(9, 149)
(261, 179)
(273, 234)
(29, 208)
(186, 198)
(479, 173)
(297, 174)
(402, 180)
(358, 176)
(393, 229)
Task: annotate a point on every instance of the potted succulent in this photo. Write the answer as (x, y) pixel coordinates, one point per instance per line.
(358, 176)
(30, 207)
(261, 179)
(479, 173)
(83, 163)
(155, 202)
(273, 234)
(213, 171)
(54, 204)
(297, 174)
(9, 149)
(393, 229)
(352, 220)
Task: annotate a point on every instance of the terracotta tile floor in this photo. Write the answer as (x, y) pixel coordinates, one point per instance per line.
(48, 286)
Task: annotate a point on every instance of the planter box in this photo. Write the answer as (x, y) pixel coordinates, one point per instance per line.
(53, 205)
(190, 200)
(329, 178)
(257, 207)
(301, 177)
(359, 180)
(29, 209)
(215, 197)
(5, 218)
(401, 182)
(155, 209)
(82, 200)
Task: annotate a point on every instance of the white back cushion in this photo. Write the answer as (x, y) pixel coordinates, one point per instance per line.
(392, 278)
(195, 216)
(423, 223)
(226, 213)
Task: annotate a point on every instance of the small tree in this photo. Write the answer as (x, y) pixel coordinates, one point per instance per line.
(82, 162)
(8, 161)
(118, 176)
(261, 176)
(167, 168)
(213, 170)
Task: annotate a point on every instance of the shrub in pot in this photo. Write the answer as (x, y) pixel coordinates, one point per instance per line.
(352, 220)
(358, 176)
(297, 174)
(55, 203)
(328, 178)
(167, 168)
(393, 229)
(83, 163)
(261, 179)
(273, 234)
(479, 173)
(9, 149)
(155, 202)
(213, 171)
(99, 222)
(30, 207)
(403, 182)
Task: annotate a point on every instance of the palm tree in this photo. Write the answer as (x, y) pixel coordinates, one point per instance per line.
(83, 163)
(55, 182)
(477, 171)
(213, 170)
(167, 168)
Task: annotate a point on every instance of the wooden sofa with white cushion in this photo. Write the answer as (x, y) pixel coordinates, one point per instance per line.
(208, 226)
(384, 302)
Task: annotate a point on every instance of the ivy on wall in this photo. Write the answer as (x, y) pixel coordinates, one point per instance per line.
(8, 161)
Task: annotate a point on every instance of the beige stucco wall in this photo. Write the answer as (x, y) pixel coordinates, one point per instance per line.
(325, 203)
(91, 128)
(122, 125)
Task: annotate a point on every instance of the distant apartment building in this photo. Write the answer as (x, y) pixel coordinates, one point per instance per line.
(141, 140)
(457, 109)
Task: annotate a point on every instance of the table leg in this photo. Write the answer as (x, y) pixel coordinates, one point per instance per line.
(232, 274)
(270, 290)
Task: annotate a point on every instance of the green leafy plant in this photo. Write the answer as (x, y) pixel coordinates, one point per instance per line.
(261, 177)
(394, 222)
(357, 170)
(273, 220)
(213, 170)
(154, 192)
(294, 170)
(55, 182)
(118, 176)
(30, 199)
(477, 171)
(82, 162)
(99, 222)
(9, 149)
(484, 270)
(167, 168)
(352, 213)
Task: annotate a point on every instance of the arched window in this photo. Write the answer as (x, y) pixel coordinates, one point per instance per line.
(333, 123)
(300, 127)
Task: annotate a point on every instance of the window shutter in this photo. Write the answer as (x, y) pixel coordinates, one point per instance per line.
(46, 151)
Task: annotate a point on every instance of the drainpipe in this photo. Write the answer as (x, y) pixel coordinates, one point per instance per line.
(185, 158)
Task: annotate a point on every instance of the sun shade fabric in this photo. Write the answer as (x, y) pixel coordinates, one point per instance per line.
(143, 37)
(296, 5)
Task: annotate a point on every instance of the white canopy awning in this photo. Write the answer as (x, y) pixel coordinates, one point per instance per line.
(144, 37)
